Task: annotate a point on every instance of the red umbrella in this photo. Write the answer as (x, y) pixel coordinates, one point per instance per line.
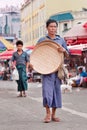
(5, 57)
(7, 54)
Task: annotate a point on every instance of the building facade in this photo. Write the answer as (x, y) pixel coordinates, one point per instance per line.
(33, 18)
(10, 22)
(34, 14)
(66, 20)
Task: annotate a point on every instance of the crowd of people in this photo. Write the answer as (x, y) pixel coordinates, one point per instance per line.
(6, 73)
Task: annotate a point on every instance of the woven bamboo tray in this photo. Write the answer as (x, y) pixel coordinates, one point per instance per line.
(45, 57)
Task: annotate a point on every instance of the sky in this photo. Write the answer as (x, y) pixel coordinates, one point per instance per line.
(3, 3)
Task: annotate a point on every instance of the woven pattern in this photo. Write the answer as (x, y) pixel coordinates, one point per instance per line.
(45, 58)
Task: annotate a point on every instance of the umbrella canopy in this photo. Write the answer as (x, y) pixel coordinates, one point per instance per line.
(7, 54)
(76, 31)
(4, 44)
(5, 57)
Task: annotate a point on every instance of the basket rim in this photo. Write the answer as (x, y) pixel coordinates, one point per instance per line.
(52, 44)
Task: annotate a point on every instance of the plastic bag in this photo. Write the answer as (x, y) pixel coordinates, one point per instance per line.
(15, 75)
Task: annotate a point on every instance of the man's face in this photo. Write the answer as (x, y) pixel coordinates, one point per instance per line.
(80, 71)
(19, 47)
(52, 28)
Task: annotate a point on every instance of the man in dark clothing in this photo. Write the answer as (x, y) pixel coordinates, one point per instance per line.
(20, 59)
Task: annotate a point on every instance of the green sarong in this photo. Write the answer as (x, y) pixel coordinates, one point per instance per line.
(22, 82)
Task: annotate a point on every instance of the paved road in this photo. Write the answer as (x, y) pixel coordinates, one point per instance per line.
(28, 113)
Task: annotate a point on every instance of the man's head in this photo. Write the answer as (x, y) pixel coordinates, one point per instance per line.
(19, 45)
(49, 21)
(80, 70)
(51, 26)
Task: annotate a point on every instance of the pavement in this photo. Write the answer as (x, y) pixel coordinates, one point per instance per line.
(27, 113)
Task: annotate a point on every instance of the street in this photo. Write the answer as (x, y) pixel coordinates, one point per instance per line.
(27, 113)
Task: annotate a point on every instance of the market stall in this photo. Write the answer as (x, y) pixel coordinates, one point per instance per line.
(76, 35)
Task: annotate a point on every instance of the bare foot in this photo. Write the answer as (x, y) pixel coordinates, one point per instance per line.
(24, 95)
(55, 119)
(47, 119)
(20, 95)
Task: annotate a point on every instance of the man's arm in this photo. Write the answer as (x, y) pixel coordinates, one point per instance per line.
(12, 61)
(64, 48)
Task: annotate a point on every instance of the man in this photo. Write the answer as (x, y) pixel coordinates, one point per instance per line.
(51, 83)
(20, 59)
(81, 76)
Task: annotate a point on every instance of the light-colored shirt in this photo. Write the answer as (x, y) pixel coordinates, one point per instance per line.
(57, 39)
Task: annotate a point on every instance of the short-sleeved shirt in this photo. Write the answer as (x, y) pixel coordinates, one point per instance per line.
(83, 74)
(57, 39)
(20, 59)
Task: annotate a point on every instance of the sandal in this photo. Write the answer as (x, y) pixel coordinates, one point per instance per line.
(55, 119)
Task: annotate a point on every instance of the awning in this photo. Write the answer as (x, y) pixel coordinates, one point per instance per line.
(76, 41)
(76, 31)
(77, 49)
(75, 52)
(76, 35)
(62, 17)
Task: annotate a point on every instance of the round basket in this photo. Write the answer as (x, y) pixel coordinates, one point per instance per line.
(45, 57)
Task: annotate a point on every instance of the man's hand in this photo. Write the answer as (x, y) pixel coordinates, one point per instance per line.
(13, 66)
(30, 65)
(60, 49)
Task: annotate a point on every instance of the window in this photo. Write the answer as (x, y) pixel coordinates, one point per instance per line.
(65, 26)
